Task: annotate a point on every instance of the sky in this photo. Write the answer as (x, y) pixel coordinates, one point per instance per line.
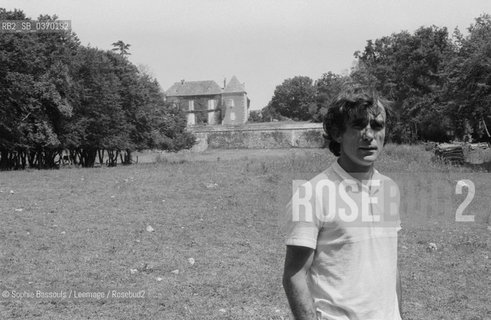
(261, 42)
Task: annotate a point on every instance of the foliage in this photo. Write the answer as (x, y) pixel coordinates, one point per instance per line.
(222, 209)
(34, 82)
(440, 84)
(122, 47)
(468, 89)
(58, 95)
(294, 98)
(410, 70)
(327, 88)
(269, 114)
(255, 116)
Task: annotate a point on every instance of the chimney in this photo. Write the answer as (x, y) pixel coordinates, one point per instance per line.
(224, 83)
(182, 81)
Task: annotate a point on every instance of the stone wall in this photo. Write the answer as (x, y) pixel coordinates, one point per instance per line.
(271, 135)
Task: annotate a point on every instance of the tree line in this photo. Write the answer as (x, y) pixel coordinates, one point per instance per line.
(61, 99)
(440, 84)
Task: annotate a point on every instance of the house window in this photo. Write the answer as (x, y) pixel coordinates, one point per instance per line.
(191, 115)
(211, 114)
(230, 105)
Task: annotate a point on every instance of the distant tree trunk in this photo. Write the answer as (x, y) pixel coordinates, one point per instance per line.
(4, 159)
(87, 157)
(15, 160)
(73, 156)
(100, 154)
(31, 158)
(23, 158)
(112, 156)
(126, 157)
(486, 130)
(37, 159)
(91, 155)
(79, 156)
(49, 159)
(40, 160)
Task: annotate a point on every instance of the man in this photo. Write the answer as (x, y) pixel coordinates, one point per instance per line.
(341, 259)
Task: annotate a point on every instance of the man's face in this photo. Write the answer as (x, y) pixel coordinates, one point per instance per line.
(362, 141)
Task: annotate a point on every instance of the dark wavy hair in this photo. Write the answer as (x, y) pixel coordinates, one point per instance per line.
(352, 101)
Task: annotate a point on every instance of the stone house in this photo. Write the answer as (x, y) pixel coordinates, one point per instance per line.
(205, 102)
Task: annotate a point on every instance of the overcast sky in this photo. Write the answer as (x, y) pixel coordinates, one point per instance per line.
(262, 42)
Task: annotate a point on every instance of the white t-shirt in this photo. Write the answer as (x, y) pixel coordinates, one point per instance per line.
(353, 228)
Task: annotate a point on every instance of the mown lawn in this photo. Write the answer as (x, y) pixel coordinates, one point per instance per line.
(201, 238)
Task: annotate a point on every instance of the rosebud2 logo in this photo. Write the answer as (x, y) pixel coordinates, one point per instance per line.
(349, 201)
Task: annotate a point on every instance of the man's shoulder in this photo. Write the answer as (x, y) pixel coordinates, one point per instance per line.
(327, 174)
(383, 177)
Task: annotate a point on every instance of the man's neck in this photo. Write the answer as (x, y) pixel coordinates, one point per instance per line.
(364, 175)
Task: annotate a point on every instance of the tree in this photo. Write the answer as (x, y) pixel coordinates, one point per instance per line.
(410, 70)
(99, 120)
(158, 125)
(58, 95)
(327, 88)
(294, 98)
(33, 89)
(122, 47)
(255, 116)
(468, 89)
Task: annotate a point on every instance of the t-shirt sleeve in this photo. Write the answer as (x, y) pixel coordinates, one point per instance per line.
(302, 224)
(397, 207)
(391, 199)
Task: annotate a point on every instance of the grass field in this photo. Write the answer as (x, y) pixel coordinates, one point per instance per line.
(198, 236)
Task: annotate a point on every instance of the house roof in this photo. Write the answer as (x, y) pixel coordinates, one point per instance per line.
(194, 88)
(234, 86)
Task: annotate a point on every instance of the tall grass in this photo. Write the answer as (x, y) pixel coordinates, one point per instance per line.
(414, 158)
(87, 229)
